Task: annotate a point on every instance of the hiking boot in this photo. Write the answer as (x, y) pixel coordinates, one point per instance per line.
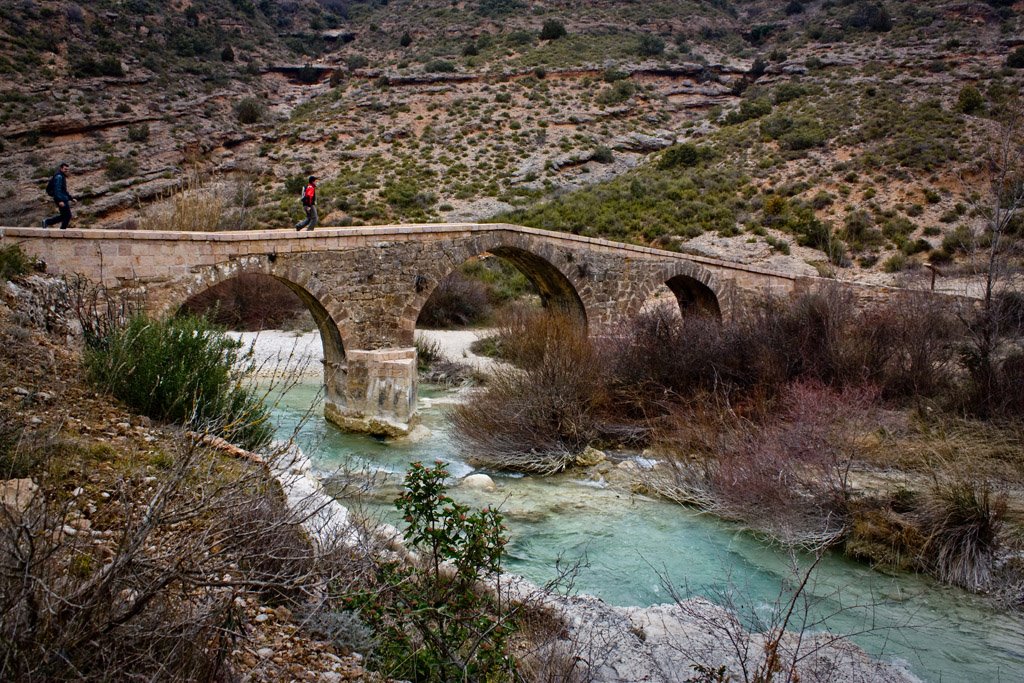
(44, 223)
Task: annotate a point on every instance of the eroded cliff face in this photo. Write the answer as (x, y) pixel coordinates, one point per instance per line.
(208, 116)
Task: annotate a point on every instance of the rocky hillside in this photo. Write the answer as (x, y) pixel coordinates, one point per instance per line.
(807, 134)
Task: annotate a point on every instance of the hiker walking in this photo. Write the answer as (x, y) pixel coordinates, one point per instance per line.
(57, 188)
(309, 206)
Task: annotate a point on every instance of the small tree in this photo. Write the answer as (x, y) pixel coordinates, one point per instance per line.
(552, 30)
(434, 618)
(405, 40)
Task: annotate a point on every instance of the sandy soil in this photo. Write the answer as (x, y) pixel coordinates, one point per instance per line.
(278, 352)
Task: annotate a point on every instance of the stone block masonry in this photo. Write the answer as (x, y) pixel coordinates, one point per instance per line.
(366, 286)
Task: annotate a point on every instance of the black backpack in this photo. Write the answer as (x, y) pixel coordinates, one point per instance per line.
(51, 186)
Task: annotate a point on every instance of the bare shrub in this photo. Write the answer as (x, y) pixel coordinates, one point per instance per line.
(98, 311)
(662, 359)
(917, 336)
(962, 520)
(523, 334)
(788, 478)
(200, 203)
(158, 599)
(537, 417)
(248, 302)
(785, 639)
(457, 301)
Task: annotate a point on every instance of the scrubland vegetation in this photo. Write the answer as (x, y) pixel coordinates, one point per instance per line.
(779, 419)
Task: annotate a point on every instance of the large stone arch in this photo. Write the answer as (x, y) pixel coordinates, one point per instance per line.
(559, 287)
(322, 305)
(695, 289)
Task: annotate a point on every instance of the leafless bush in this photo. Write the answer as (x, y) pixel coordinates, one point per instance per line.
(97, 310)
(204, 204)
(662, 360)
(248, 302)
(535, 418)
(457, 301)
(194, 205)
(962, 521)
(916, 337)
(145, 585)
(787, 478)
(524, 334)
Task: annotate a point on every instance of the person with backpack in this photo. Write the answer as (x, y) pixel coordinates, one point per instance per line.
(309, 206)
(57, 188)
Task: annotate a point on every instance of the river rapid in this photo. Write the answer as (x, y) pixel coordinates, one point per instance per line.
(631, 550)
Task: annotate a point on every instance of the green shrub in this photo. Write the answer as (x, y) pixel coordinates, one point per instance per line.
(685, 155)
(184, 371)
(961, 240)
(433, 620)
(552, 30)
(405, 40)
(354, 62)
(603, 155)
(119, 168)
(650, 46)
(138, 133)
(869, 16)
(403, 194)
(250, 110)
(439, 66)
(617, 93)
(749, 109)
(495, 9)
(805, 134)
(895, 263)
(859, 231)
(970, 101)
(89, 67)
(13, 262)
(787, 92)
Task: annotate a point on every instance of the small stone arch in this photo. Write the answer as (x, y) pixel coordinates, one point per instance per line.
(695, 289)
(536, 260)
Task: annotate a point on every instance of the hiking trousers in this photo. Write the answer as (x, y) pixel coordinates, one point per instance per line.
(64, 217)
(311, 219)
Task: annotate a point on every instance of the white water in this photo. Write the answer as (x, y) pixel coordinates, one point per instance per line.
(633, 546)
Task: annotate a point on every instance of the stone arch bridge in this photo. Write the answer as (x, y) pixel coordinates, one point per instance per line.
(365, 286)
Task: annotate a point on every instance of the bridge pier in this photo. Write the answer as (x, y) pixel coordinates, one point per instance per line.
(372, 391)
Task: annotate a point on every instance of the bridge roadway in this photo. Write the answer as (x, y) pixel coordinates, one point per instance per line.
(365, 286)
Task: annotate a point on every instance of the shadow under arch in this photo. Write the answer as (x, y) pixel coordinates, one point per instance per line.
(556, 291)
(694, 297)
(330, 337)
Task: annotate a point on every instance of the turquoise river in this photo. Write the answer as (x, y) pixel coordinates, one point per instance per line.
(630, 546)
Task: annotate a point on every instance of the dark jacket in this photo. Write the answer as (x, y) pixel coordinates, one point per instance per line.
(60, 188)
